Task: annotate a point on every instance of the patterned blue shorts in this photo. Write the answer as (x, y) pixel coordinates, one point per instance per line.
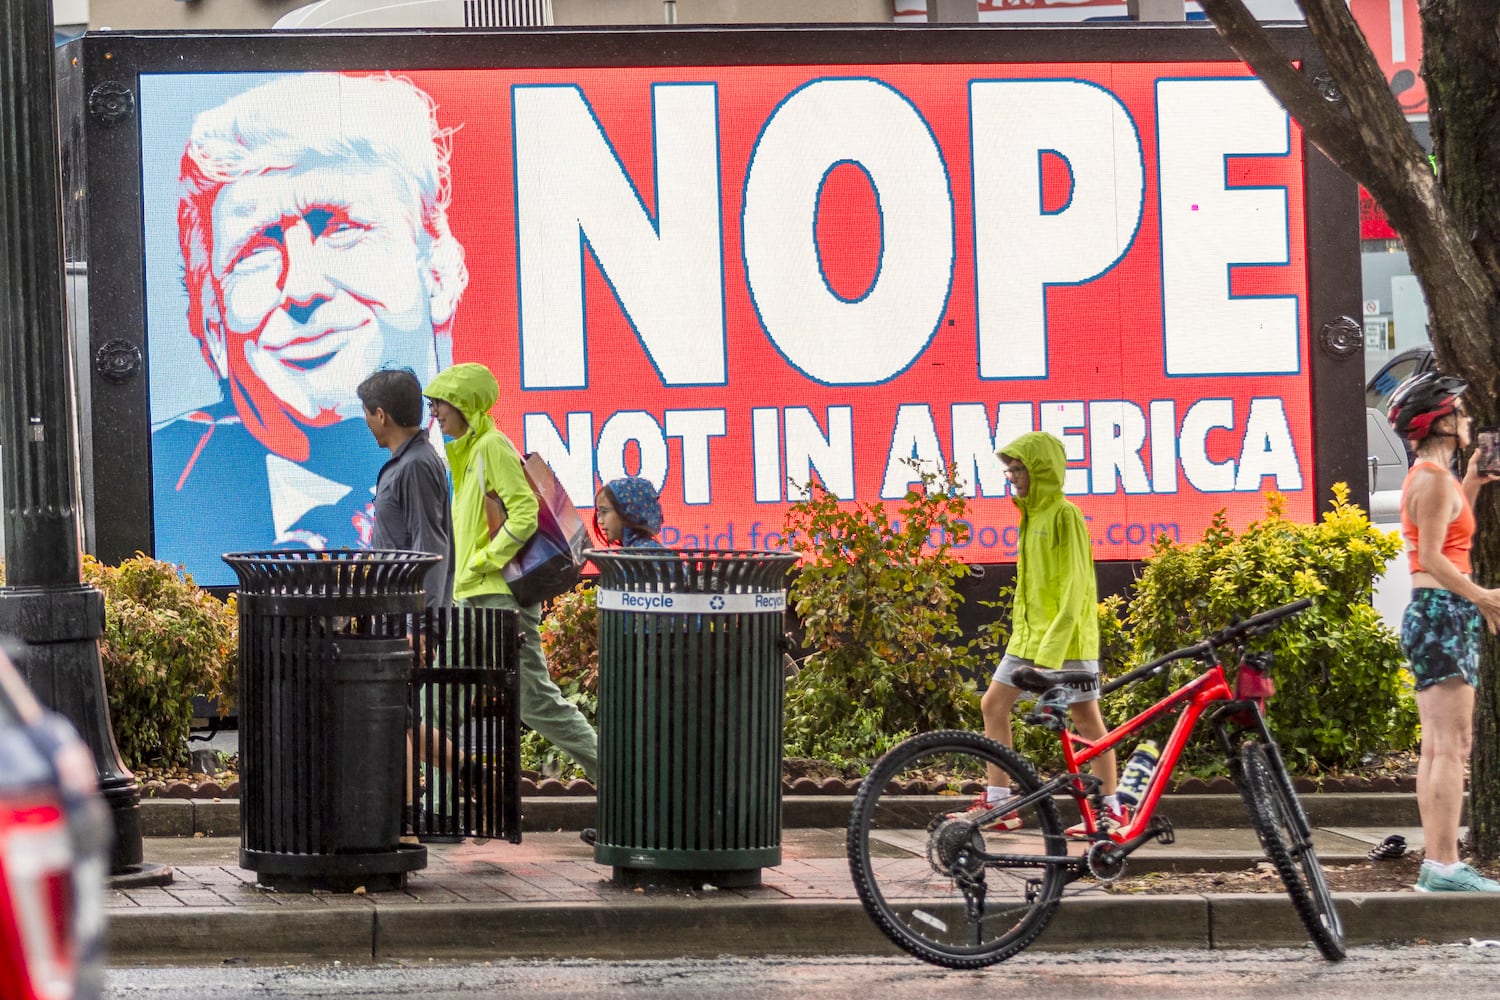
(1440, 634)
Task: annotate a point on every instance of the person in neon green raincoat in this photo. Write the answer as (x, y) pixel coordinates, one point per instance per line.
(1054, 620)
(482, 460)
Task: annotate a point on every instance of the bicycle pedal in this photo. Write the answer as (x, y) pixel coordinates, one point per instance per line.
(1165, 835)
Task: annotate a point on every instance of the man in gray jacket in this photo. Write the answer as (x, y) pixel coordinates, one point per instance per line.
(411, 492)
(411, 511)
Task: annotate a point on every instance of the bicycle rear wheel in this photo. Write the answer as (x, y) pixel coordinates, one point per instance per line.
(935, 883)
(1274, 813)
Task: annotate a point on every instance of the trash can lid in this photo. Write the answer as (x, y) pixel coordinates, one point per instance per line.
(693, 571)
(330, 572)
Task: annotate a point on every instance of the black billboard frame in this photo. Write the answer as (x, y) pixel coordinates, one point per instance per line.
(99, 80)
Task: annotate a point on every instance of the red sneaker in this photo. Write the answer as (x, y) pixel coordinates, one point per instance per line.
(977, 808)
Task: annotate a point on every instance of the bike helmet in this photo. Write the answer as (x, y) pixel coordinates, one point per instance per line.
(1420, 400)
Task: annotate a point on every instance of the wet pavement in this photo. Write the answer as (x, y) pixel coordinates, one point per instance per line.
(547, 897)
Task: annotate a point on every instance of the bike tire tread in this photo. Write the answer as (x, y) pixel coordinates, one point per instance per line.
(857, 843)
(1259, 787)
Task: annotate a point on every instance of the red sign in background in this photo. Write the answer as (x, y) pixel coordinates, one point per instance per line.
(1392, 28)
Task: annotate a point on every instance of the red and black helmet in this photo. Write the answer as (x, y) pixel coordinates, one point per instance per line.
(1420, 400)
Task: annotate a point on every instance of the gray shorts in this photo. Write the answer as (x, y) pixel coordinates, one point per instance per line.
(1008, 664)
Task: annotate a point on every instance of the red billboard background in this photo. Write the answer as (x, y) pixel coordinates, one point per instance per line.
(1104, 337)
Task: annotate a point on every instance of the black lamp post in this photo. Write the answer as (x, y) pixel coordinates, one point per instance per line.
(55, 618)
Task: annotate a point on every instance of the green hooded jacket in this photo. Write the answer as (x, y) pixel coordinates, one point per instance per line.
(1055, 615)
(482, 460)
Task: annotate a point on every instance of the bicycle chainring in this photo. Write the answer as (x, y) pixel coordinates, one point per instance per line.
(1105, 860)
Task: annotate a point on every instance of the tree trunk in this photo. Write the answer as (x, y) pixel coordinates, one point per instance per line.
(1461, 64)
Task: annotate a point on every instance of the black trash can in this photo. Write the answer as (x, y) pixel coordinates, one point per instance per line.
(325, 660)
(690, 714)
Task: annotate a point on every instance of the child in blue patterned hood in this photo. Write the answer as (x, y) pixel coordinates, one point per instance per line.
(627, 512)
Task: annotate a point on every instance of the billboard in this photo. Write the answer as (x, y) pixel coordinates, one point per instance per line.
(733, 280)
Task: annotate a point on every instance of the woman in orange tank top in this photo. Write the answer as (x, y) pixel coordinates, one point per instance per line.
(1440, 630)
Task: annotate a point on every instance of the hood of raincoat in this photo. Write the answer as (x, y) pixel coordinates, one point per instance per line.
(468, 386)
(1046, 462)
(473, 390)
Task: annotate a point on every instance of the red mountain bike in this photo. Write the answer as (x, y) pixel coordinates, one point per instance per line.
(949, 892)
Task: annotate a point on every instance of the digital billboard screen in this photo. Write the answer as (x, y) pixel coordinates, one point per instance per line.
(731, 280)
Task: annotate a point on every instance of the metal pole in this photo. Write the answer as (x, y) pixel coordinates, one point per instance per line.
(1156, 10)
(964, 11)
(56, 619)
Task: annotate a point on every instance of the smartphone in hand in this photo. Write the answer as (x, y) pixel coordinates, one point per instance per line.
(1488, 452)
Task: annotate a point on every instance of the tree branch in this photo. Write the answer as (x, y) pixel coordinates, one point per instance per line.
(1323, 125)
(1399, 175)
(1374, 144)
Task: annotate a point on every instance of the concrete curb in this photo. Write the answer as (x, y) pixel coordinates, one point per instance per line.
(221, 817)
(194, 936)
(667, 927)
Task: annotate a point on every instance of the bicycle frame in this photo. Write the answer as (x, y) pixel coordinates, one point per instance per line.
(1207, 689)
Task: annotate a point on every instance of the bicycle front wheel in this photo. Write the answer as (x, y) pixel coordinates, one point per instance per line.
(943, 887)
(1267, 794)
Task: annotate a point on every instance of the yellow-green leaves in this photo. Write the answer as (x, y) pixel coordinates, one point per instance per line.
(164, 641)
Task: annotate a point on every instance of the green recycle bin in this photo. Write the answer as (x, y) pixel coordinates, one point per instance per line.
(690, 714)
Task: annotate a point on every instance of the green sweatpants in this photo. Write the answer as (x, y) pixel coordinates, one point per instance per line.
(543, 707)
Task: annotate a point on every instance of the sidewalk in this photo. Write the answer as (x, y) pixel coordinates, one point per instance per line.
(546, 898)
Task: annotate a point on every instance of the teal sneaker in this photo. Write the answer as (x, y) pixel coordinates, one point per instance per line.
(1465, 879)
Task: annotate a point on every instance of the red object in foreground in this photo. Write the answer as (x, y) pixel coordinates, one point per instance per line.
(53, 835)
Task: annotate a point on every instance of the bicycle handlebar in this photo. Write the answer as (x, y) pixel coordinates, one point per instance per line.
(1250, 627)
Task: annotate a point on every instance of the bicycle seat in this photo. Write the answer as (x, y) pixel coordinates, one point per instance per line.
(1039, 681)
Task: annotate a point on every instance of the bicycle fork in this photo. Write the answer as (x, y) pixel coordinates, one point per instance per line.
(1221, 725)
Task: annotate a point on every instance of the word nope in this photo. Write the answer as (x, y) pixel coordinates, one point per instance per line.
(667, 268)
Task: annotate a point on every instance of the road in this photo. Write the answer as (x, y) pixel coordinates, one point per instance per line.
(1471, 971)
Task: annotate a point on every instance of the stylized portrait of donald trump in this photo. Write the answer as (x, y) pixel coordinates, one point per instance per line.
(313, 227)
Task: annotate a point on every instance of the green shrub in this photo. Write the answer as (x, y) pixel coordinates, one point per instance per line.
(1341, 690)
(570, 640)
(887, 660)
(877, 598)
(164, 641)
